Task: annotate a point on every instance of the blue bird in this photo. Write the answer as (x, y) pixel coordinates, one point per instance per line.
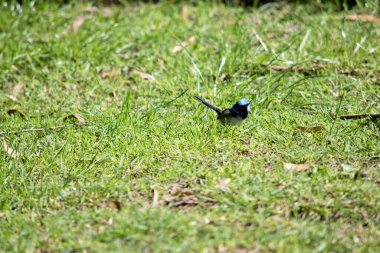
(234, 115)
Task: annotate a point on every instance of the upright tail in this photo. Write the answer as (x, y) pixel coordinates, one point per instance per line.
(218, 111)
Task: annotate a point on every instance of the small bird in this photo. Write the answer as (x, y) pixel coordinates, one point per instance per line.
(234, 115)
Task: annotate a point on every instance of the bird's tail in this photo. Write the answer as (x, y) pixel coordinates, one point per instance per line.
(218, 111)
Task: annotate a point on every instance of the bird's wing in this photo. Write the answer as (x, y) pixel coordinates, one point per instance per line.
(218, 111)
(229, 116)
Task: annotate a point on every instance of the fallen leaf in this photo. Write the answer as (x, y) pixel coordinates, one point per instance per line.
(13, 98)
(10, 150)
(183, 44)
(336, 94)
(15, 111)
(207, 221)
(185, 14)
(223, 184)
(299, 68)
(311, 129)
(155, 197)
(360, 116)
(179, 196)
(144, 75)
(277, 68)
(111, 73)
(76, 117)
(364, 18)
(114, 204)
(294, 166)
(190, 200)
(90, 9)
(18, 89)
(78, 22)
(175, 189)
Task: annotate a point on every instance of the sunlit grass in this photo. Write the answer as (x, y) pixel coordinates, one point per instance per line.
(153, 170)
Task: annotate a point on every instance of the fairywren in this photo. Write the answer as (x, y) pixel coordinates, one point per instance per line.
(234, 115)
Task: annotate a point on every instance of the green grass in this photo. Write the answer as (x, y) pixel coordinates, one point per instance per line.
(90, 188)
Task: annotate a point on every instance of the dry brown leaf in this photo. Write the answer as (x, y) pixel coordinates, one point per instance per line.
(299, 68)
(18, 89)
(185, 14)
(207, 221)
(183, 44)
(179, 196)
(76, 117)
(336, 94)
(223, 184)
(90, 9)
(10, 150)
(278, 68)
(294, 166)
(155, 197)
(177, 189)
(144, 75)
(113, 204)
(78, 22)
(364, 18)
(186, 201)
(311, 129)
(111, 73)
(360, 116)
(15, 111)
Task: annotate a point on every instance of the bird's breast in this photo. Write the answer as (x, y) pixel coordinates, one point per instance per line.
(232, 120)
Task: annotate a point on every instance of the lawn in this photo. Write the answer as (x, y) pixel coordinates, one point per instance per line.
(118, 156)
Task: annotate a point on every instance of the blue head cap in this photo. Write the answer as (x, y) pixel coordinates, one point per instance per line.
(244, 102)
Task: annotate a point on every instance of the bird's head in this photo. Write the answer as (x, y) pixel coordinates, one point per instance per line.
(242, 107)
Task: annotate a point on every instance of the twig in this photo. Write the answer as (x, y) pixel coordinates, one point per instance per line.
(360, 116)
(297, 68)
(314, 68)
(41, 129)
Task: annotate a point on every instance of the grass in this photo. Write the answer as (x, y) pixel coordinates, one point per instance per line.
(90, 188)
